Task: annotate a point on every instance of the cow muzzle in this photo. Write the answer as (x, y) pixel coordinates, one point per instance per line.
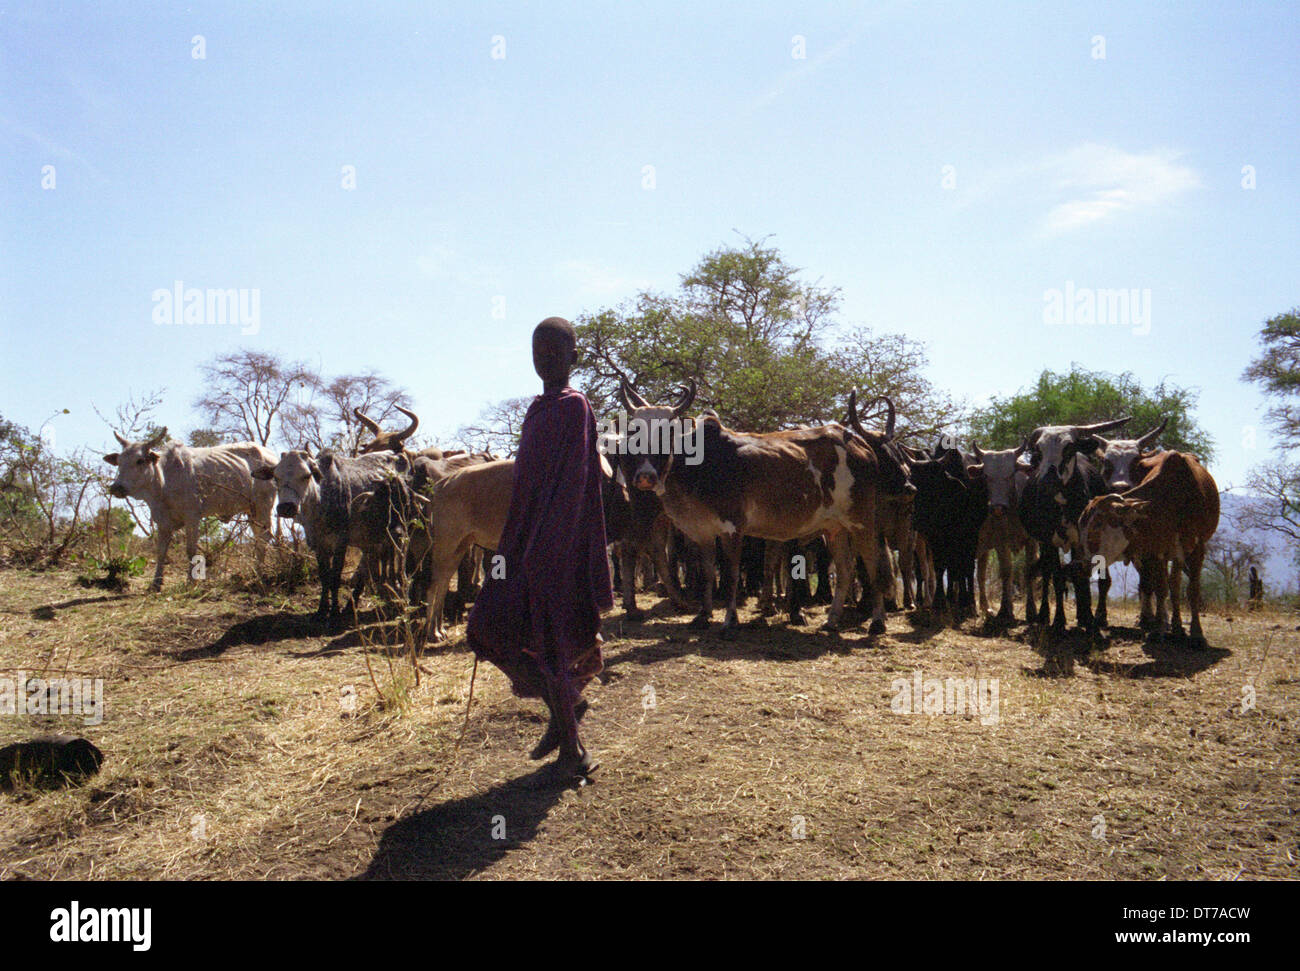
(286, 510)
(645, 480)
(117, 490)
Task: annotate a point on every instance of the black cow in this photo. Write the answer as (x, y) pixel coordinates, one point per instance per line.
(1062, 482)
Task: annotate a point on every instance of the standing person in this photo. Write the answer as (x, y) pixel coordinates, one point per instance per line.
(537, 617)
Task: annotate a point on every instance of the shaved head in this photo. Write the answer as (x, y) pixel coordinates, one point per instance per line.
(555, 351)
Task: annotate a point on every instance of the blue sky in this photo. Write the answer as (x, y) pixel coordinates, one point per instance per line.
(523, 177)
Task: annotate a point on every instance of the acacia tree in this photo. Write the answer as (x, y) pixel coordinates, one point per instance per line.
(1080, 397)
(44, 496)
(1274, 486)
(1277, 372)
(761, 343)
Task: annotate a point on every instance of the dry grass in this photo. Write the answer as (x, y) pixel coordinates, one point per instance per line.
(242, 742)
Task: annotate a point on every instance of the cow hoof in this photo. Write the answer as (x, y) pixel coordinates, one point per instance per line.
(699, 622)
(876, 629)
(728, 632)
(1198, 642)
(634, 614)
(831, 626)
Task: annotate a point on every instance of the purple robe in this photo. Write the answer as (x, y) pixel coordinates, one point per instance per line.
(542, 618)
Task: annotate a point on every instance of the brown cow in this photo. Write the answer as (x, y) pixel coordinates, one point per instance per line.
(1169, 517)
(716, 483)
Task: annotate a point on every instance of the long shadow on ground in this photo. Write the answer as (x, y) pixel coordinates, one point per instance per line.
(462, 836)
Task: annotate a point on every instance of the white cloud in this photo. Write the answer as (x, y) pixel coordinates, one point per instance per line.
(1101, 181)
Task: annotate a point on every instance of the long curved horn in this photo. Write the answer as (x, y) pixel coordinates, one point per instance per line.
(891, 414)
(1101, 426)
(122, 441)
(854, 422)
(1024, 447)
(400, 437)
(1147, 440)
(157, 439)
(685, 401)
(975, 450)
(371, 426)
(630, 397)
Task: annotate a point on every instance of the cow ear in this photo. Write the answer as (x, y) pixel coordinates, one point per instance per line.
(111, 458)
(152, 456)
(1089, 444)
(264, 472)
(1129, 513)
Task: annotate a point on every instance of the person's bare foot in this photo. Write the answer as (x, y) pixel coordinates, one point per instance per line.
(553, 736)
(570, 770)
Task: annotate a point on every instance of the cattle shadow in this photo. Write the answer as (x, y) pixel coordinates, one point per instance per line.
(463, 836)
(262, 629)
(47, 611)
(1061, 652)
(1169, 659)
(770, 639)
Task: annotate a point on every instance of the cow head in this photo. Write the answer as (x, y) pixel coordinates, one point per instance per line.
(1000, 470)
(138, 471)
(1119, 458)
(1106, 526)
(647, 456)
(386, 441)
(940, 489)
(296, 477)
(1055, 449)
(893, 463)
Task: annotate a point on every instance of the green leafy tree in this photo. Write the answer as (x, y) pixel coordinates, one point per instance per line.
(762, 344)
(1277, 372)
(1081, 397)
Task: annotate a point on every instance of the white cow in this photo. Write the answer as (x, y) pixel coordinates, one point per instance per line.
(181, 485)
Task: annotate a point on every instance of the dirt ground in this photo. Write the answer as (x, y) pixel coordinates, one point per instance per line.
(243, 742)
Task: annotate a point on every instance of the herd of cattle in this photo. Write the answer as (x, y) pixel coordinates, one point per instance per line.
(1070, 501)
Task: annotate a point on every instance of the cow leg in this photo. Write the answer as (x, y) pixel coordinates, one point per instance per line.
(772, 551)
(708, 561)
(336, 578)
(842, 555)
(191, 548)
(1194, 563)
(260, 520)
(1099, 618)
(323, 571)
(659, 537)
(885, 573)
(731, 550)
(981, 571)
(1008, 609)
(793, 590)
(627, 556)
(867, 546)
(1176, 599)
(162, 538)
(1059, 580)
(1161, 581)
(907, 567)
(1147, 569)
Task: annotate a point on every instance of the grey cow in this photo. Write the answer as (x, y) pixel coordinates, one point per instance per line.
(326, 495)
(1002, 531)
(181, 485)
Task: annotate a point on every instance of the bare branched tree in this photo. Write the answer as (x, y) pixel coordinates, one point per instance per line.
(247, 392)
